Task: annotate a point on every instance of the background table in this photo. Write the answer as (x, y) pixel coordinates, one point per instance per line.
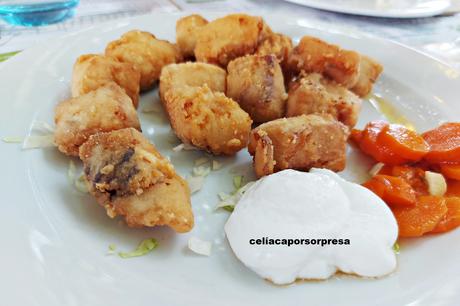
(439, 36)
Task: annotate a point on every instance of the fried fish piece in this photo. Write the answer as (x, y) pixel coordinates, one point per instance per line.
(145, 52)
(92, 71)
(256, 82)
(229, 37)
(314, 94)
(278, 44)
(208, 120)
(299, 143)
(186, 32)
(129, 177)
(105, 109)
(369, 71)
(175, 76)
(314, 55)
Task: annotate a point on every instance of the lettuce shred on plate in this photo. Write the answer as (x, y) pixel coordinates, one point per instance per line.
(36, 142)
(199, 246)
(396, 248)
(201, 171)
(216, 165)
(201, 161)
(184, 146)
(229, 201)
(145, 247)
(12, 139)
(195, 183)
(79, 182)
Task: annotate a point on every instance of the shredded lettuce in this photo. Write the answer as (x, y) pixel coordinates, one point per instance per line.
(238, 181)
(71, 172)
(35, 142)
(12, 139)
(184, 146)
(42, 127)
(195, 183)
(145, 247)
(199, 246)
(201, 161)
(112, 249)
(376, 169)
(201, 171)
(228, 202)
(81, 183)
(216, 165)
(396, 248)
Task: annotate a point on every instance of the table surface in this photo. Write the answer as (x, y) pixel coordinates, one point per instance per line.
(438, 36)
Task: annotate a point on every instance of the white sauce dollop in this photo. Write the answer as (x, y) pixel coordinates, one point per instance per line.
(315, 205)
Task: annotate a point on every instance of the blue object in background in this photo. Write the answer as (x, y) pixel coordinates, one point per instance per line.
(34, 13)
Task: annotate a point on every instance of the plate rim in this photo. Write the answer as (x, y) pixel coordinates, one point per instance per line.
(369, 12)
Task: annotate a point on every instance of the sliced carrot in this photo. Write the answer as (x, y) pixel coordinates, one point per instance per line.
(403, 142)
(386, 170)
(369, 136)
(451, 219)
(376, 186)
(356, 136)
(451, 171)
(394, 191)
(369, 144)
(453, 188)
(415, 176)
(421, 219)
(444, 143)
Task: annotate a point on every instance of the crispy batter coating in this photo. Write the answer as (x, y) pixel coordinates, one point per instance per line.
(147, 53)
(105, 109)
(229, 37)
(130, 178)
(315, 55)
(186, 32)
(208, 120)
(92, 71)
(300, 143)
(256, 83)
(314, 94)
(369, 71)
(278, 44)
(175, 76)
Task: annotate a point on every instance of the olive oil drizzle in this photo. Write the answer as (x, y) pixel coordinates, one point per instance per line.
(391, 113)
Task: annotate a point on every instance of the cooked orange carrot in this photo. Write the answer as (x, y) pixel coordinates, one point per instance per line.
(356, 136)
(369, 144)
(403, 142)
(421, 219)
(453, 188)
(395, 191)
(451, 219)
(451, 171)
(444, 143)
(415, 176)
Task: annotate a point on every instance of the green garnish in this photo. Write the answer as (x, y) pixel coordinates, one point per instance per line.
(229, 208)
(237, 181)
(145, 247)
(396, 248)
(5, 56)
(12, 139)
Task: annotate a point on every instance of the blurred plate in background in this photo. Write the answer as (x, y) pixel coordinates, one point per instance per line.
(381, 8)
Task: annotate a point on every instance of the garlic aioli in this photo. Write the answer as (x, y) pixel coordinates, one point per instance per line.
(316, 205)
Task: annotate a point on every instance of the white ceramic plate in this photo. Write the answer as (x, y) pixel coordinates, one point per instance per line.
(380, 8)
(54, 239)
